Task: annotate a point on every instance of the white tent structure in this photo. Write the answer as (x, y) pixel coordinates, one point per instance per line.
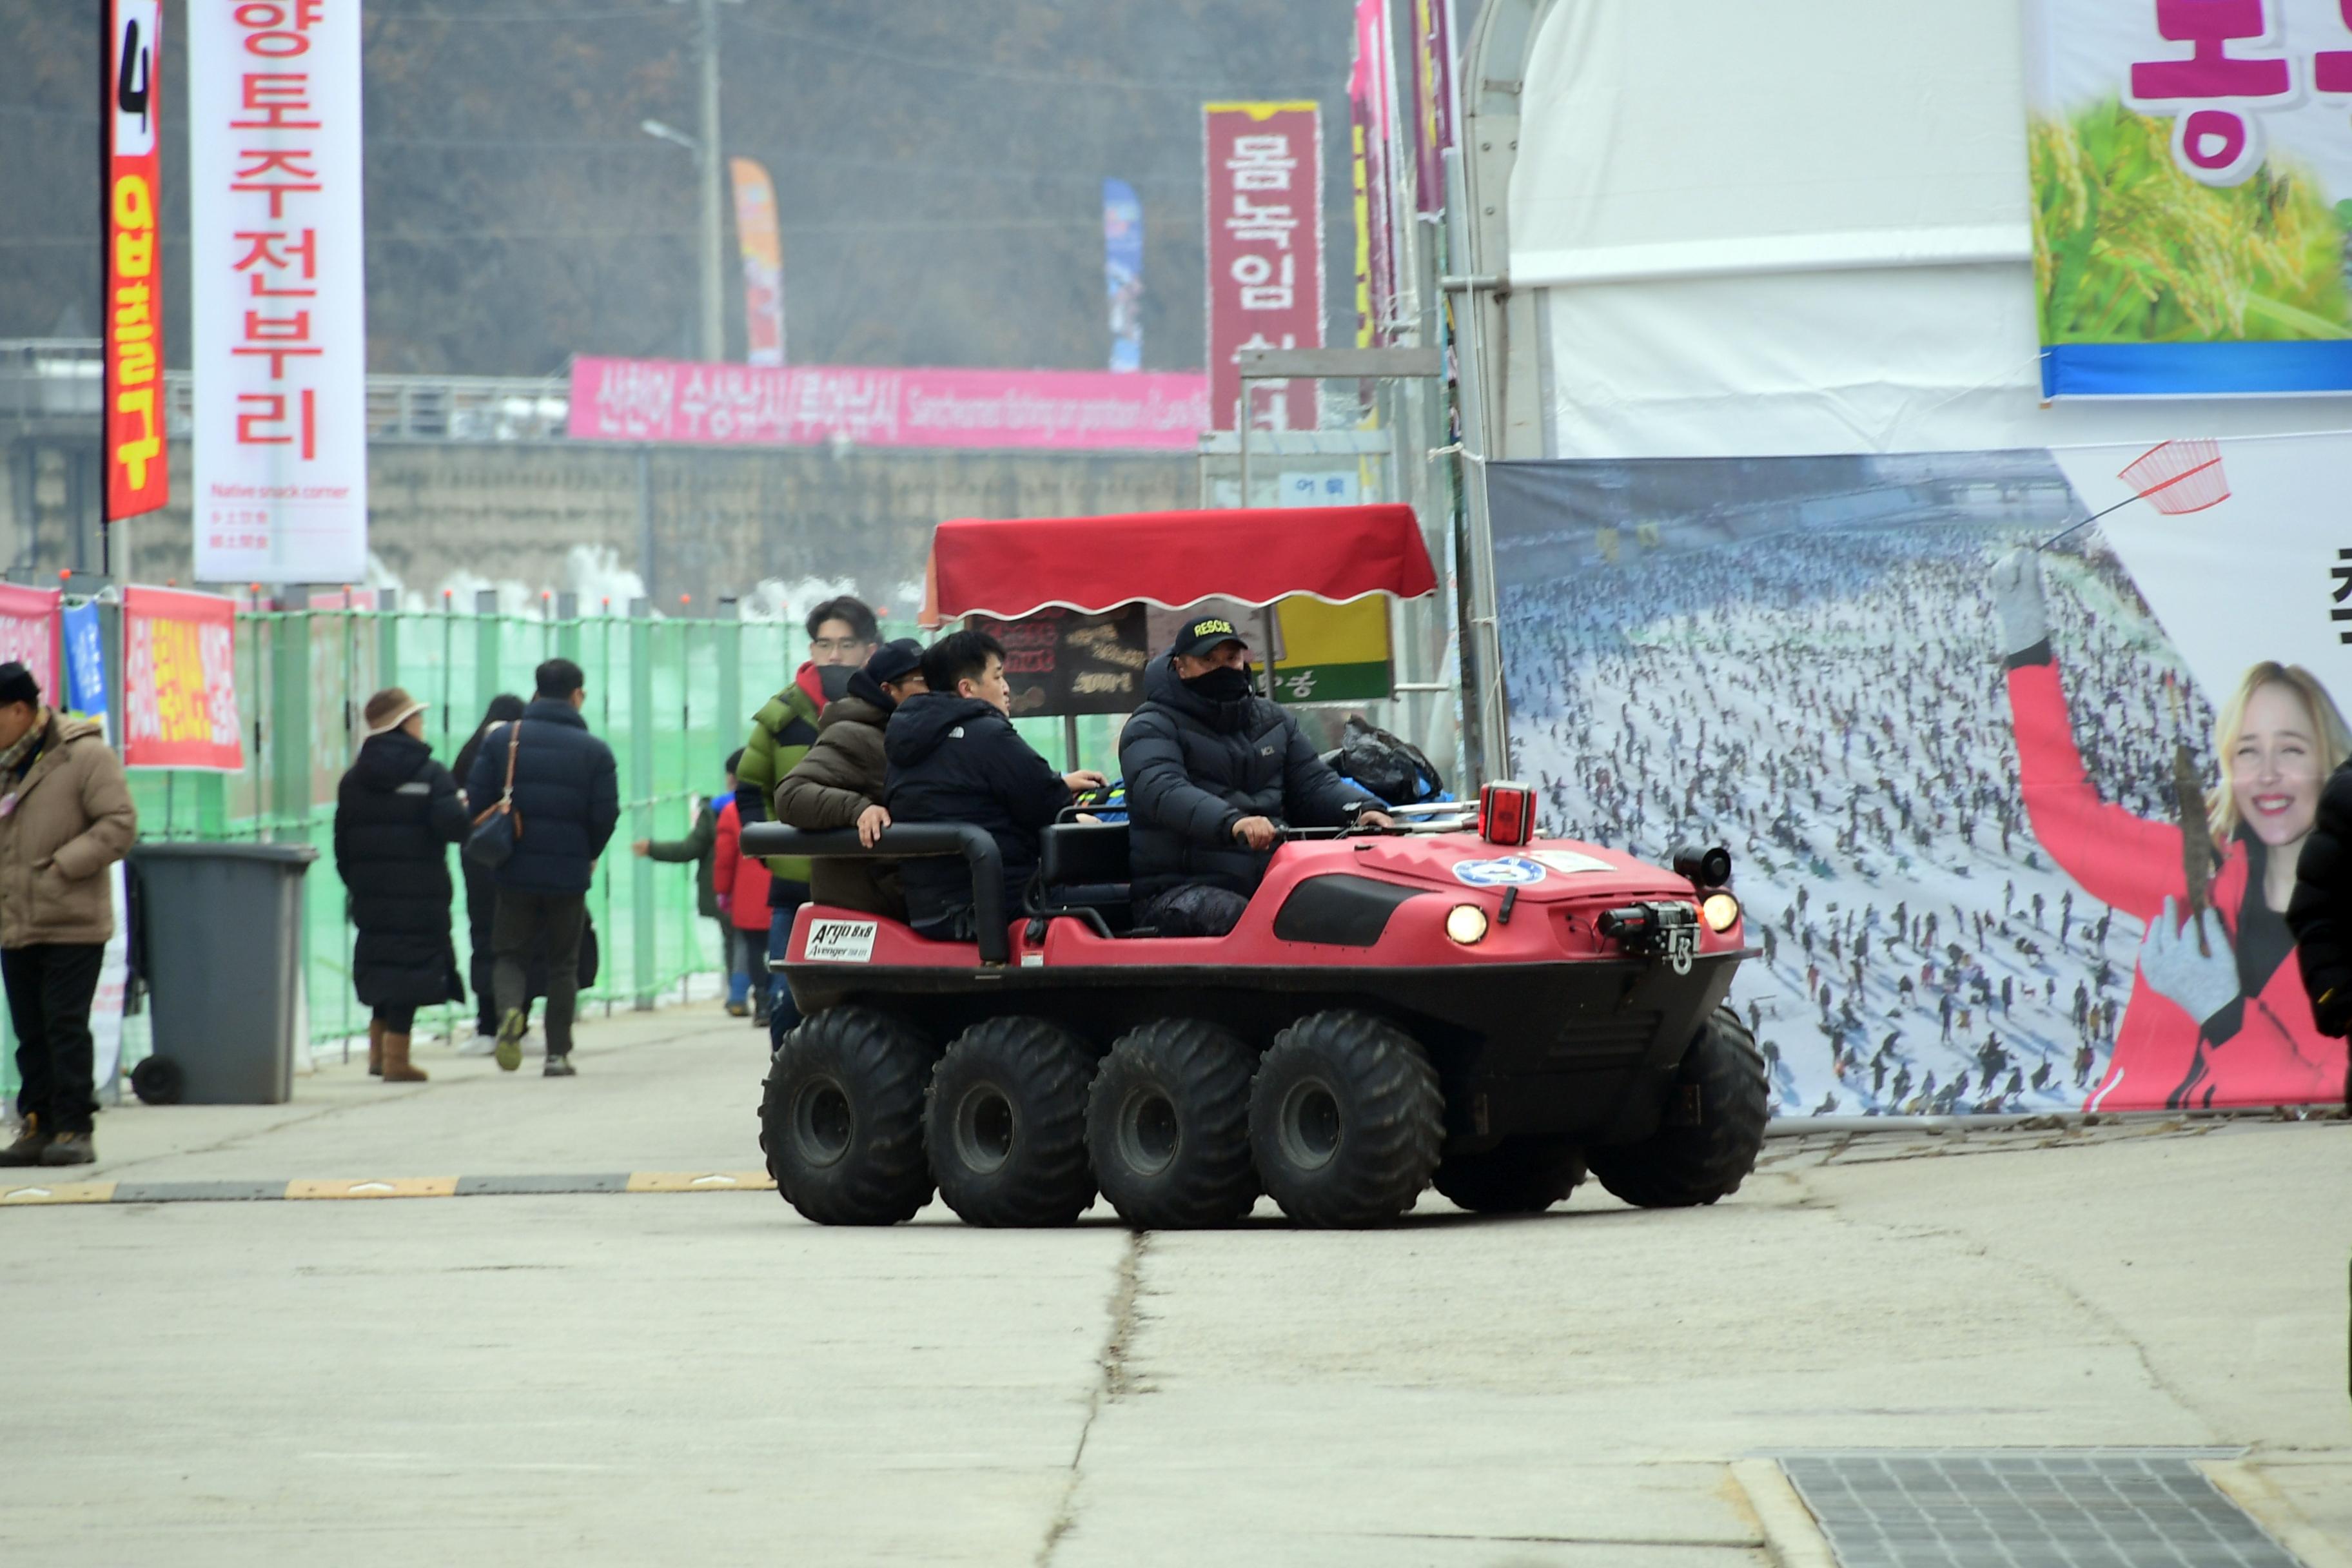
(1716, 229)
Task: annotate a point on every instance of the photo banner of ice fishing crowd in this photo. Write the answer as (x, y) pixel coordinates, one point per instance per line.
(2013, 751)
(2191, 165)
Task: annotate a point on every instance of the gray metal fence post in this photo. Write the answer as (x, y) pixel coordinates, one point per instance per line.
(641, 729)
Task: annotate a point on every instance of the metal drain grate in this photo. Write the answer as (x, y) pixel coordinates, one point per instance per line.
(2028, 1507)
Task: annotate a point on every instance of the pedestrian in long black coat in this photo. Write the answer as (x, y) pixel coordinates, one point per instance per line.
(481, 885)
(397, 813)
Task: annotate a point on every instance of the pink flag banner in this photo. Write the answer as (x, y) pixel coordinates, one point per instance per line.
(804, 405)
(30, 619)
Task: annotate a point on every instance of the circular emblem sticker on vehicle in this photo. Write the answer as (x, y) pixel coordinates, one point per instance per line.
(1510, 871)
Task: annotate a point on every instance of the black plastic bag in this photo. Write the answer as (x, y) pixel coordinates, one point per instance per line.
(1387, 765)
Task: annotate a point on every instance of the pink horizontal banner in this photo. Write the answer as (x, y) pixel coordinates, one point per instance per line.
(800, 405)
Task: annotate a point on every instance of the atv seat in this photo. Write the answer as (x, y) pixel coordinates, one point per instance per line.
(1083, 865)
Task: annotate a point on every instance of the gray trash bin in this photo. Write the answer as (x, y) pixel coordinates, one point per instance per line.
(220, 927)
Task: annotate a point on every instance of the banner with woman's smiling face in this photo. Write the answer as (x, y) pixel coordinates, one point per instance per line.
(2015, 752)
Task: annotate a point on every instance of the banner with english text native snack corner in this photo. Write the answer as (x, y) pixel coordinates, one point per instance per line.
(278, 291)
(2191, 166)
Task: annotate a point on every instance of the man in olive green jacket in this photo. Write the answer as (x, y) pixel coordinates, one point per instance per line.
(841, 633)
(65, 816)
(839, 782)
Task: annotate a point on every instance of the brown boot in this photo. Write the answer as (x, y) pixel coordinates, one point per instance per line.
(375, 1048)
(396, 1067)
(27, 1149)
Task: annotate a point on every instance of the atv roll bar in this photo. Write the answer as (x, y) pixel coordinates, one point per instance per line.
(909, 841)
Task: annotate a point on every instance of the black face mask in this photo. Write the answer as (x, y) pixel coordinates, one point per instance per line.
(1223, 684)
(834, 678)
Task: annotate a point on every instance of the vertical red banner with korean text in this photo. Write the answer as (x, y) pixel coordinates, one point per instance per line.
(31, 624)
(138, 474)
(1432, 99)
(1371, 113)
(179, 683)
(1265, 252)
(280, 319)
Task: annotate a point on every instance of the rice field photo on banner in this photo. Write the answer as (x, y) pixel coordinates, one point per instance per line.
(2191, 166)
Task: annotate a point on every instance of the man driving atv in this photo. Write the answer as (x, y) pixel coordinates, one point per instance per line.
(1210, 767)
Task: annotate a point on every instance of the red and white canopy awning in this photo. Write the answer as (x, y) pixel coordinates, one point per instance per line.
(1173, 559)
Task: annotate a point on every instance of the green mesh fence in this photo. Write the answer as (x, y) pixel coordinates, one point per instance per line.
(671, 696)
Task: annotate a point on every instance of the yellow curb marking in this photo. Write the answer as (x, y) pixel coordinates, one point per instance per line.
(398, 1187)
(2274, 1511)
(700, 1182)
(1789, 1529)
(61, 1192)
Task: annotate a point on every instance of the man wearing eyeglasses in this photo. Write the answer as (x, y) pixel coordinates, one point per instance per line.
(841, 635)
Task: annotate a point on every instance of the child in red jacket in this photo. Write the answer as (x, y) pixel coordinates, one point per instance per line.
(743, 884)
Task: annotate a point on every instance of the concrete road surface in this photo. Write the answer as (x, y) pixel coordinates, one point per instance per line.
(700, 1378)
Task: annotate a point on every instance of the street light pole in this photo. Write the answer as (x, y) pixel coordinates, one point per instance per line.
(714, 317)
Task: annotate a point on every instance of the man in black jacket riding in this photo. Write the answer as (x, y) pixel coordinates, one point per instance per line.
(567, 800)
(1210, 768)
(954, 756)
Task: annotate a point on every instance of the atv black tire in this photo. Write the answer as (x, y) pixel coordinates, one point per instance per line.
(1682, 1165)
(1167, 1126)
(1007, 1124)
(1519, 1175)
(1346, 1119)
(842, 1118)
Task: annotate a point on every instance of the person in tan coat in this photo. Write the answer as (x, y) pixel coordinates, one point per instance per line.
(65, 816)
(839, 782)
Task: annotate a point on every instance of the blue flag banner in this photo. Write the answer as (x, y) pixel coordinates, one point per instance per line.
(85, 661)
(1123, 272)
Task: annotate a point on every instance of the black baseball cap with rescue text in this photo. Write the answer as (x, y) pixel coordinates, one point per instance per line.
(1199, 636)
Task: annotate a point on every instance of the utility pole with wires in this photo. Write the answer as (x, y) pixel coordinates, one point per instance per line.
(714, 272)
(710, 158)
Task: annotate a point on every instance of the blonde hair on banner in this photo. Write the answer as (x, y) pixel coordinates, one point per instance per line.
(2334, 739)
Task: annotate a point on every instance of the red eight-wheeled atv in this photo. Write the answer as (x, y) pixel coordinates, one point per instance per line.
(1396, 1006)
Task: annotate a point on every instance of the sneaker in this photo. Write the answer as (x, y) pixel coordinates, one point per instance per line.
(738, 1009)
(559, 1066)
(480, 1046)
(509, 1049)
(69, 1149)
(27, 1149)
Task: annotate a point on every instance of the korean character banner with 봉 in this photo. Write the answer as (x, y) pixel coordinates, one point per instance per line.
(1266, 253)
(280, 320)
(2192, 194)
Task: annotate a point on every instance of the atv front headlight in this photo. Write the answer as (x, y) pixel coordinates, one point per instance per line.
(1466, 924)
(1720, 910)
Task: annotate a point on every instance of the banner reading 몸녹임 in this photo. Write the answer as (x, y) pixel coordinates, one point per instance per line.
(1265, 182)
(2015, 826)
(2192, 194)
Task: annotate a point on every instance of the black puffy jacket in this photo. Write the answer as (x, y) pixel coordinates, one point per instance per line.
(566, 791)
(397, 813)
(957, 759)
(1194, 768)
(2320, 912)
